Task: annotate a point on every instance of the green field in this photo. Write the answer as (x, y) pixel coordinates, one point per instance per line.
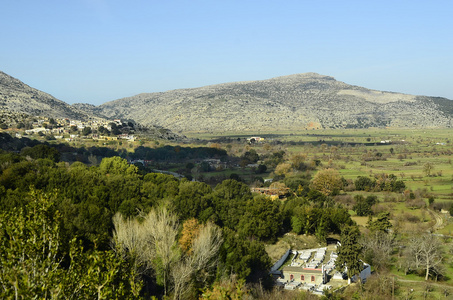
(422, 159)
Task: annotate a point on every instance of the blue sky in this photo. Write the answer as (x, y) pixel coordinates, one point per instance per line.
(94, 51)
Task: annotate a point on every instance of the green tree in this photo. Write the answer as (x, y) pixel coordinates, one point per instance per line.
(158, 186)
(193, 199)
(363, 205)
(86, 131)
(261, 169)
(36, 263)
(205, 167)
(227, 288)
(247, 258)
(382, 223)
(117, 165)
(103, 130)
(42, 151)
(115, 128)
(262, 219)
(349, 253)
(230, 199)
(298, 184)
(364, 183)
(428, 168)
(251, 156)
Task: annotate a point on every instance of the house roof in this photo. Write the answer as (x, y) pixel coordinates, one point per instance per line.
(301, 270)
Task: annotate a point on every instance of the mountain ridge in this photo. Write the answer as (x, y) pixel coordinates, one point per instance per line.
(291, 102)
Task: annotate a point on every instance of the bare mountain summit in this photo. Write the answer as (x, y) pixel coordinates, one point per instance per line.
(292, 102)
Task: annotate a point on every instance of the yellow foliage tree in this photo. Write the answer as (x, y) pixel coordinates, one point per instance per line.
(297, 160)
(327, 181)
(190, 230)
(282, 169)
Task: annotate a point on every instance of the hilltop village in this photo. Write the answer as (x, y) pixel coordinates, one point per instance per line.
(71, 129)
(66, 129)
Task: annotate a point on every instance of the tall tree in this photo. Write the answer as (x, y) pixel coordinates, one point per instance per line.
(425, 252)
(349, 253)
(377, 248)
(153, 241)
(230, 199)
(205, 248)
(382, 223)
(428, 168)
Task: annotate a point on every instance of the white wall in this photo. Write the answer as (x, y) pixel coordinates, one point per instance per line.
(279, 263)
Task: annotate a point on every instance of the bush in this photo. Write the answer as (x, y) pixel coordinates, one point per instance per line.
(415, 203)
(363, 183)
(363, 206)
(345, 200)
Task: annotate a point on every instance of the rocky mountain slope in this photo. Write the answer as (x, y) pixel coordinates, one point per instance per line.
(292, 102)
(20, 103)
(17, 97)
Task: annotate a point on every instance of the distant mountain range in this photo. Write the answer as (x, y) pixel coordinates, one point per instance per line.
(294, 102)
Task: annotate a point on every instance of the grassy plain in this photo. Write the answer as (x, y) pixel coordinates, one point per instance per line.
(421, 158)
(367, 152)
(404, 153)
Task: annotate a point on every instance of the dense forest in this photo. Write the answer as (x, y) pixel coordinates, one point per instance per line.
(64, 219)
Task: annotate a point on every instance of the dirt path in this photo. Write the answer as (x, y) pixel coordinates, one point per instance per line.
(438, 285)
(439, 220)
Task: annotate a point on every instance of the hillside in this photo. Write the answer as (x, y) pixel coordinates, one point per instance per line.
(18, 98)
(292, 102)
(20, 103)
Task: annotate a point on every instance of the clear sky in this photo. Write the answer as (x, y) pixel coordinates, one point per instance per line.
(94, 51)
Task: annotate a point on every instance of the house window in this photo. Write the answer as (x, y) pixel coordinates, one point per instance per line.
(291, 277)
(302, 277)
(312, 278)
